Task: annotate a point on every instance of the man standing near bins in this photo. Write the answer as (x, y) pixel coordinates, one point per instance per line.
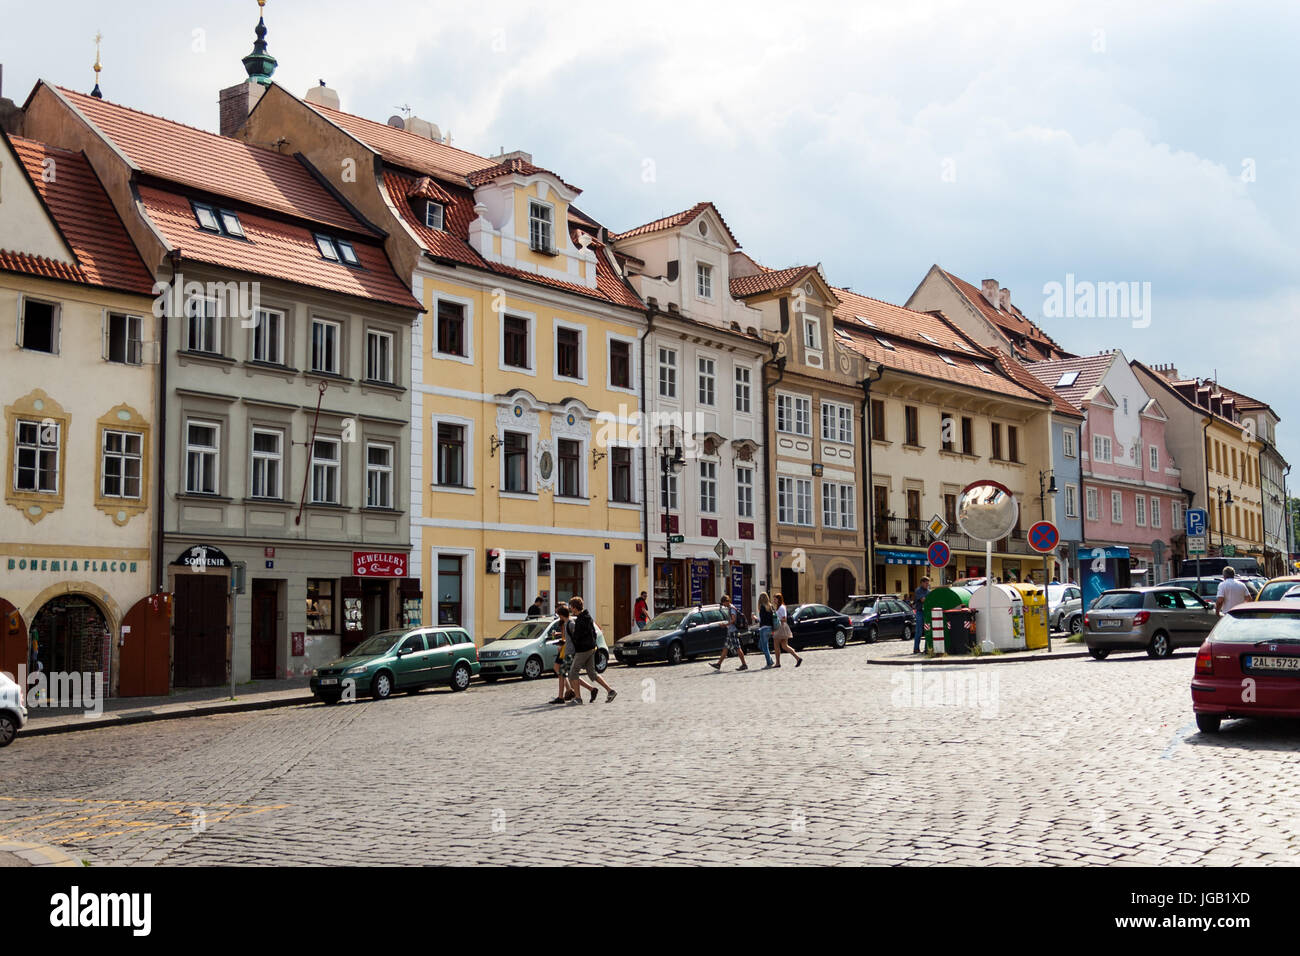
(918, 602)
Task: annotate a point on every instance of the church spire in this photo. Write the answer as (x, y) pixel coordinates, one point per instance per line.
(99, 37)
(260, 64)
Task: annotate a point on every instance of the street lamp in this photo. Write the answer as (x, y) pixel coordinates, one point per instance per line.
(1046, 486)
(672, 463)
(1049, 489)
(1222, 501)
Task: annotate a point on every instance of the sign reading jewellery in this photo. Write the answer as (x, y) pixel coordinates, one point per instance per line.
(378, 564)
(201, 557)
(70, 564)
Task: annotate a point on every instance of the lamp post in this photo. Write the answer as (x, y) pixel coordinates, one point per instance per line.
(1222, 501)
(672, 464)
(1046, 486)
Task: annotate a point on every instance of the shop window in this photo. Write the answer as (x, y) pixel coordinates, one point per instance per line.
(320, 605)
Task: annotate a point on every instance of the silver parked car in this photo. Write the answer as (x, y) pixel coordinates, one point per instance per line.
(1065, 607)
(13, 709)
(1155, 619)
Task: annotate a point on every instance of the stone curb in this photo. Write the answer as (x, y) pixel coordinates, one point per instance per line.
(982, 659)
(167, 712)
(37, 854)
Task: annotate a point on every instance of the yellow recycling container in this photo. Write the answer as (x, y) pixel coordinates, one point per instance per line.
(1035, 599)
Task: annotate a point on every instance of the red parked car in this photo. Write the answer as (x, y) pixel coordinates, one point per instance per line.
(1249, 666)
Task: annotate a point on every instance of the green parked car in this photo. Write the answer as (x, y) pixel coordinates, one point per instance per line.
(529, 649)
(404, 659)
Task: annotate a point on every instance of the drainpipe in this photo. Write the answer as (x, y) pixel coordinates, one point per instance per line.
(868, 502)
(645, 471)
(769, 459)
(160, 441)
(1205, 437)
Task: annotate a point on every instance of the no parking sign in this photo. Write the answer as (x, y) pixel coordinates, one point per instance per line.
(938, 554)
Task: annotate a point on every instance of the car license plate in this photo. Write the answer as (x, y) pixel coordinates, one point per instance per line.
(325, 681)
(1109, 622)
(1263, 662)
(630, 651)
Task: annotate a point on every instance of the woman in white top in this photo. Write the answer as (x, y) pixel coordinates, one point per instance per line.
(783, 633)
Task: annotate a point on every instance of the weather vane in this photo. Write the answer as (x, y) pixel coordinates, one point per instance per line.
(99, 38)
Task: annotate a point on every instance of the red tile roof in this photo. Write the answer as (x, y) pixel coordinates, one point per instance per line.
(1091, 368)
(896, 321)
(215, 164)
(105, 254)
(1038, 343)
(452, 242)
(276, 249)
(1020, 371)
(514, 166)
(683, 218)
(769, 280)
(405, 149)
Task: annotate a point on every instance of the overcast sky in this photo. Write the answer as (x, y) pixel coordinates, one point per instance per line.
(1023, 141)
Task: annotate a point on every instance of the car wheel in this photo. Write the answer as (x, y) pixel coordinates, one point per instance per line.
(1160, 645)
(1099, 653)
(8, 730)
(1208, 723)
(1076, 624)
(460, 676)
(871, 634)
(840, 638)
(675, 653)
(602, 661)
(381, 688)
(907, 632)
(533, 668)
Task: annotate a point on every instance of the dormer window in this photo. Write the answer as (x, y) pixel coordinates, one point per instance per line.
(433, 215)
(812, 335)
(541, 236)
(221, 221)
(337, 250)
(704, 280)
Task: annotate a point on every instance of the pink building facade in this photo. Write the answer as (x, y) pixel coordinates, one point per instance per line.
(1131, 489)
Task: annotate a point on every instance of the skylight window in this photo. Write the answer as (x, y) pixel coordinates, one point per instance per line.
(221, 221)
(207, 218)
(337, 250)
(983, 368)
(929, 338)
(885, 343)
(946, 359)
(867, 322)
(348, 254)
(962, 345)
(1067, 379)
(231, 224)
(326, 246)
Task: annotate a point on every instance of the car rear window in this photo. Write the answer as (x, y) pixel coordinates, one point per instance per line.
(1258, 626)
(1118, 600)
(1275, 591)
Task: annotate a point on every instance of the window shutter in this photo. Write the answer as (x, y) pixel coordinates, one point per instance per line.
(58, 330)
(103, 333)
(18, 325)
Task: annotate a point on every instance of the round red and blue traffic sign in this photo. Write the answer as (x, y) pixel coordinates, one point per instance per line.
(938, 554)
(1043, 537)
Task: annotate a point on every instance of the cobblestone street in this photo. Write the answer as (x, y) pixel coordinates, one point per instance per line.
(1064, 761)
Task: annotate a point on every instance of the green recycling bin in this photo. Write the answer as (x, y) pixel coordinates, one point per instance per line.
(945, 599)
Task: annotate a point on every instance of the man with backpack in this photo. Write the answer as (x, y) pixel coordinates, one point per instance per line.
(584, 652)
(733, 644)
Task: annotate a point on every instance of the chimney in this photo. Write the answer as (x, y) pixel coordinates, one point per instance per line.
(236, 103)
(504, 157)
(990, 289)
(11, 115)
(322, 95)
(1004, 299)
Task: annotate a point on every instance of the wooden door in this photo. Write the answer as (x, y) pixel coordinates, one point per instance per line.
(264, 630)
(13, 639)
(200, 630)
(790, 586)
(145, 662)
(623, 599)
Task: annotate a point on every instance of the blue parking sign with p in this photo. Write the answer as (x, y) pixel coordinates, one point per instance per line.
(1197, 520)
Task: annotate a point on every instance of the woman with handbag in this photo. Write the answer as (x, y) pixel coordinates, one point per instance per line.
(783, 632)
(766, 622)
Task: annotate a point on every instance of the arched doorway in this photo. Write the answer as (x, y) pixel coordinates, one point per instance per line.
(839, 586)
(72, 635)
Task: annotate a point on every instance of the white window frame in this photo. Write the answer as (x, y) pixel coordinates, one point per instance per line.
(387, 473)
(704, 280)
(744, 379)
(581, 377)
(790, 417)
(530, 563)
(839, 509)
(326, 465)
(1102, 449)
(133, 344)
(1072, 501)
(56, 323)
(669, 497)
(123, 457)
(429, 206)
(324, 323)
(545, 226)
(1156, 520)
(467, 314)
(1092, 500)
(813, 342)
(530, 454)
(634, 462)
(744, 491)
(583, 493)
(210, 317)
(708, 487)
(1140, 510)
(40, 448)
(1067, 443)
(784, 500)
(213, 451)
(1154, 452)
(709, 376)
(1116, 507)
(803, 497)
(255, 456)
(379, 335)
(610, 339)
(840, 421)
(531, 318)
(259, 332)
(467, 466)
(670, 367)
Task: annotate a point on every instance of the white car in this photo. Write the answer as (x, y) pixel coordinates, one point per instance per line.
(13, 710)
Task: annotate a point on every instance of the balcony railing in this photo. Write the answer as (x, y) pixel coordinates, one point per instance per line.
(911, 532)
